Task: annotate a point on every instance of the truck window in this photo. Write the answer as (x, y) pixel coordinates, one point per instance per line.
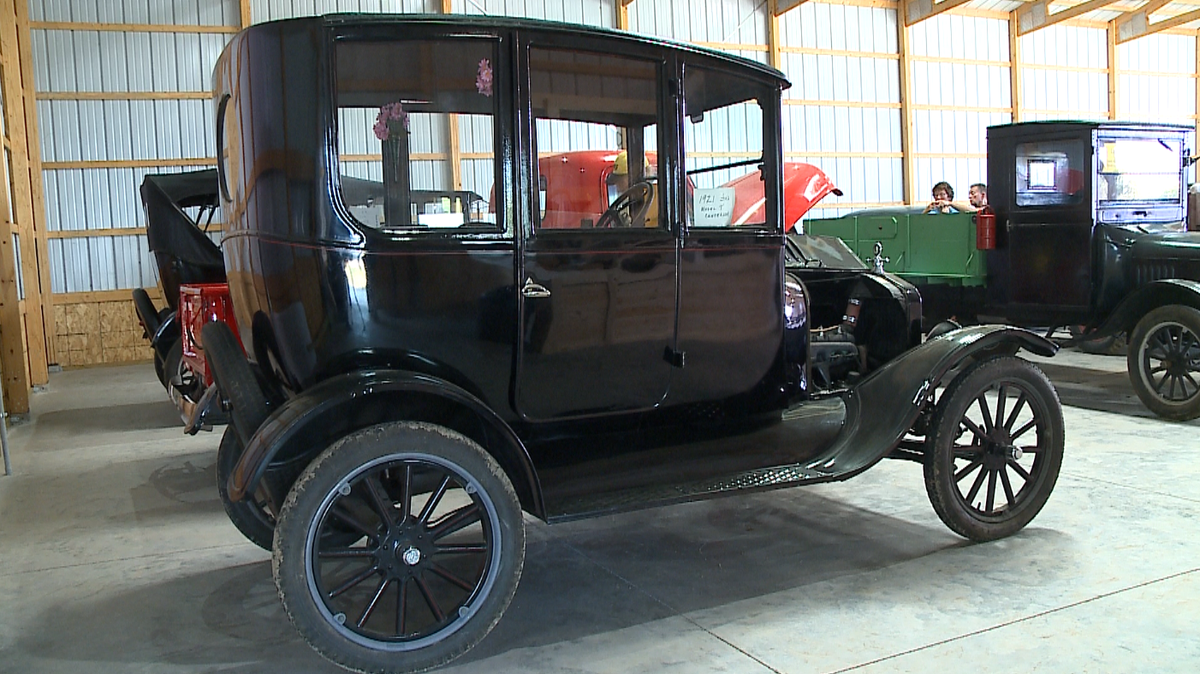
(1139, 169)
(1051, 173)
(415, 133)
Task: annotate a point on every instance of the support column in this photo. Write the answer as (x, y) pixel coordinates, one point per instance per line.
(906, 114)
(1111, 33)
(1014, 64)
(774, 56)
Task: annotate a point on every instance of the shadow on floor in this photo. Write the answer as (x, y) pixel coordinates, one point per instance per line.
(1098, 390)
(55, 429)
(581, 579)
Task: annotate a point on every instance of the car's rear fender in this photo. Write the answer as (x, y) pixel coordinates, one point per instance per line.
(308, 423)
(1146, 299)
(883, 407)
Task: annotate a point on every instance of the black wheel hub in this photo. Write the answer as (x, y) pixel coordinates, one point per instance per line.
(404, 550)
(1177, 352)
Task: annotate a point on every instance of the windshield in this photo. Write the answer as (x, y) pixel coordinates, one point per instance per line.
(1139, 169)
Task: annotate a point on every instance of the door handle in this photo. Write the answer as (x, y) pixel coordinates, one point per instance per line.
(534, 290)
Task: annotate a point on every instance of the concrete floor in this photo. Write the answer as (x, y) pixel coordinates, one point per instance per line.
(115, 556)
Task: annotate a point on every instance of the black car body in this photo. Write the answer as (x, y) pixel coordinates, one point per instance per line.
(663, 350)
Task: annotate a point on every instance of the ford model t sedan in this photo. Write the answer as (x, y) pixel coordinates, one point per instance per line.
(421, 361)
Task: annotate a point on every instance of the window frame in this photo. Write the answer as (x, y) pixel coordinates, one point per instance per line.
(503, 128)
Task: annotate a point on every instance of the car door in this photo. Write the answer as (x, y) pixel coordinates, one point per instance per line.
(596, 281)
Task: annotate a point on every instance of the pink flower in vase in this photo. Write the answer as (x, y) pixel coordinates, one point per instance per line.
(387, 113)
(483, 81)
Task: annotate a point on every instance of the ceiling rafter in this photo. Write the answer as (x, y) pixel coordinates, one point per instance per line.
(1037, 15)
(784, 6)
(916, 11)
(1138, 24)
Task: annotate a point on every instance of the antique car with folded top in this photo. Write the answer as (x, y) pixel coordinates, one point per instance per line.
(442, 335)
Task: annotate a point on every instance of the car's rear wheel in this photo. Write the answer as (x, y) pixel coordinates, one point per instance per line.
(1164, 362)
(439, 548)
(994, 448)
(249, 515)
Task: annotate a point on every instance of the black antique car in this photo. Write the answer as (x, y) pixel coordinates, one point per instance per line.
(428, 362)
(1086, 231)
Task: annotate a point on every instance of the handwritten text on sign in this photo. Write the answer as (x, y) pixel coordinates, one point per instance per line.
(714, 207)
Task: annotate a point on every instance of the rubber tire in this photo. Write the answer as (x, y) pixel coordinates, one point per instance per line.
(939, 461)
(149, 317)
(255, 523)
(1185, 316)
(324, 474)
(171, 363)
(234, 378)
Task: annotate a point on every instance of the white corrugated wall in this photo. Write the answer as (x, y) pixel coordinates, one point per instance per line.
(960, 87)
(842, 113)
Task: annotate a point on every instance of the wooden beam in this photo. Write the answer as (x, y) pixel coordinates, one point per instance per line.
(622, 18)
(123, 95)
(131, 27)
(244, 13)
(1036, 15)
(1111, 35)
(774, 56)
(1141, 14)
(1014, 66)
(1196, 86)
(908, 187)
(128, 163)
(916, 11)
(92, 296)
(1135, 28)
(13, 359)
(784, 6)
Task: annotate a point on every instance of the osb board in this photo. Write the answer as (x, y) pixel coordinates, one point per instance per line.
(97, 333)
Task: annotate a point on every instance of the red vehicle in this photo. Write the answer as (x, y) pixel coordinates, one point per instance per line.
(576, 188)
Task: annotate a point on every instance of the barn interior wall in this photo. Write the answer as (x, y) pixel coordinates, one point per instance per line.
(122, 91)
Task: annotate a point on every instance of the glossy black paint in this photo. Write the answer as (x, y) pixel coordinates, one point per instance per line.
(659, 358)
(1075, 264)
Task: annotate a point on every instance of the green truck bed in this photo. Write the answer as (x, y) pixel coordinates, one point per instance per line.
(924, 249)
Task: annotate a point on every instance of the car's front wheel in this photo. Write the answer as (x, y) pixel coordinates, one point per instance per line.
(1164, 362)
(994, 448)
(439, 548)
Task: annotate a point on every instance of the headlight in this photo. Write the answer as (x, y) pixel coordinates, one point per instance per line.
(795, 311)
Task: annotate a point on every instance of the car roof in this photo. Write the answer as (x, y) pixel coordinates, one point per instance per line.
(479, 21)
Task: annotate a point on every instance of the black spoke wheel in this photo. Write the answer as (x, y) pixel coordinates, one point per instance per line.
(994, 449)
(438, 548)
(1164, 362)
(250, 515)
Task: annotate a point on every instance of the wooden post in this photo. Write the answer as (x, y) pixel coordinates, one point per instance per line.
(13, 358)
(37, 275)
(774, 55)
(906, 113)
(244, 8)
(455, 150)
(1014, 64)
(623, 14)
(1112, 68)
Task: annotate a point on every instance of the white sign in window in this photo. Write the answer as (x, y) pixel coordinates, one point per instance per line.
(713, 207)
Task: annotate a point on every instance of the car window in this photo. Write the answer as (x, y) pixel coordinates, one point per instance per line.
(596, 140)
(1051, 173)
(416, 133)
(1139, 169)
(723, 150)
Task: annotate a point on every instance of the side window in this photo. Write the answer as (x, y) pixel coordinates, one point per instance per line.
(595, 139)
(1139, 169)
(416, 133)
(1051, 173)
(723, 150)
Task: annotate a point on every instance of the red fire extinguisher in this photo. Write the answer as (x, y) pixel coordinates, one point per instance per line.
(985, 229)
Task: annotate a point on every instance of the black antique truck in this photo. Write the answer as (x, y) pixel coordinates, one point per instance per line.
(439, 333)
(1086, 230)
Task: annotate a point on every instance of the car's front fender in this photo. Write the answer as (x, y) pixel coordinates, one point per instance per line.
(1146, 299)
(308, 423)
(882, 408)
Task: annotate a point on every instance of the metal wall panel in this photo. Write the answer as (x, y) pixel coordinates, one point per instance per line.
(871, 173)
(270, 10)
(1145, 94)
(588, 12)
(186, 12)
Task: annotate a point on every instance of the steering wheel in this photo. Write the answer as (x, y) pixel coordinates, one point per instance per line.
(629, 207)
